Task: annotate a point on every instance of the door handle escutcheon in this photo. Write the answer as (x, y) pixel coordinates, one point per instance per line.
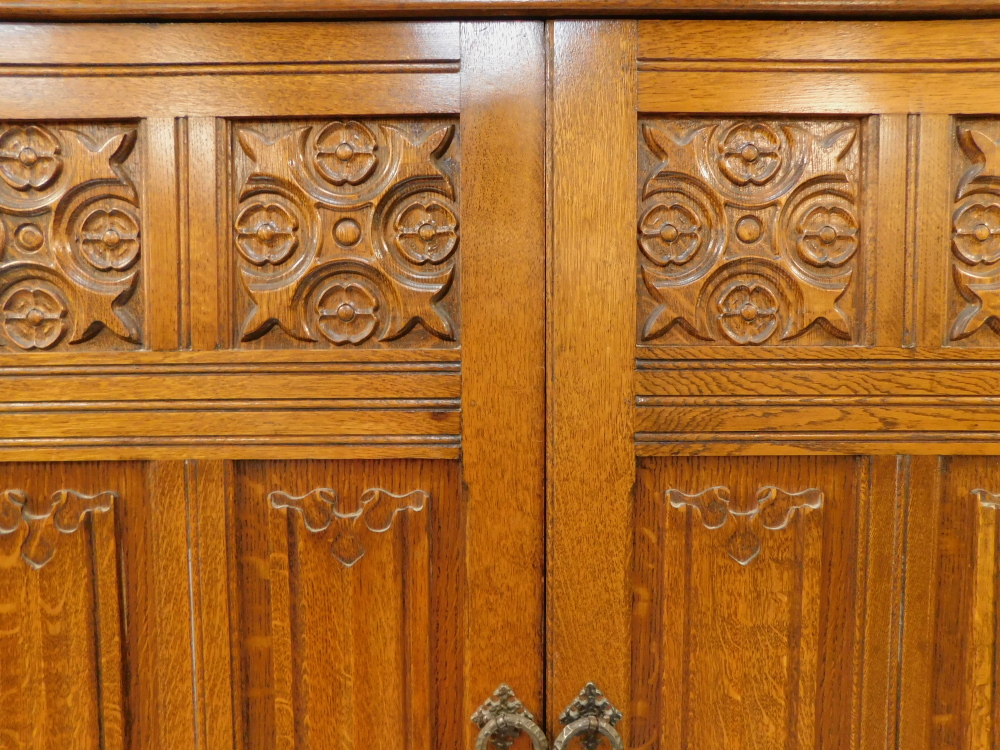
(589, 717)
(502, 718)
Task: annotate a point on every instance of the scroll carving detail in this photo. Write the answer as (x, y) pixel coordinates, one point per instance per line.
(321, 513)
(749, 231)
(773, 510)
(346, 233)
(47, 518)
(70, 237)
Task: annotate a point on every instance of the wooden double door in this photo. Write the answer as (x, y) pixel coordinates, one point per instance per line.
(351, 371)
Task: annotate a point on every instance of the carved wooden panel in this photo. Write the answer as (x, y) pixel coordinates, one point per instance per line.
(750, 231)
(70, 237)
(346, 603)
(959, 601)
(974, 310)
(345, 233)
(748, 578)
(94, 625)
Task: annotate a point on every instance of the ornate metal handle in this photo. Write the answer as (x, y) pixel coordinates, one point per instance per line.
(502, 718)
(589, 717)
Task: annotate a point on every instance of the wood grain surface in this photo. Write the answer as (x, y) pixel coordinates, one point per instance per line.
(590, 350)
(353, 9)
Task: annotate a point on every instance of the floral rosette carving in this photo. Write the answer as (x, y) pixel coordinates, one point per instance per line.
(681, 231)
(975, 238)
(71, 231)
(750, 153)
(820, 232)
(749, 313)
(34, 316)
(267, 230)
(748, 230)
(976, 232)
(30, 157)
(426, 231)
(345, 153)
(349, 251)
(670, 233)
(347, 311)
(109, 238)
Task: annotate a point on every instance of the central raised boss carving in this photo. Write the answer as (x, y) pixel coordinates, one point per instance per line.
(748, 231)
(346, 233)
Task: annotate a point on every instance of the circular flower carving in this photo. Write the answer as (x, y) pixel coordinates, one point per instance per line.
(266, 233)
(29, 157)
(827, 236)
(977, 233)
(750, 154)
(33, 318)
(670, 234)
(426, 232)
(749, 313)
(109, 239)
(347, 313)
(345, 152)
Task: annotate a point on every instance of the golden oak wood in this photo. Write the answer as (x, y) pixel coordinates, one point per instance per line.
(590, 349)
(245, 9)
(316, 299)
(814, 227)
(274, 216)
(503, 359)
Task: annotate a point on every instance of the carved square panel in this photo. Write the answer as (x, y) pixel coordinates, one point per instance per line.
(974, 295)
(750, 232)
(345, 233)
(70, 237)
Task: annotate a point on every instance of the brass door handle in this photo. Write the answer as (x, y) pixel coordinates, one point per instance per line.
(502, 718)
(590, 716)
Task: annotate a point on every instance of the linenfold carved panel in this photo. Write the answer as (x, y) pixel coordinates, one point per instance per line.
(975, 234)
(767, 651)
(346, 233)
(69, 237)
(346, 601)
(750, 232)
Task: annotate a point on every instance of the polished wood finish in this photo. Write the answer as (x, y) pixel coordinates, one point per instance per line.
(239, 276)
(503, 359)
(813, 552)
(350, 370)
(93, 10)
(590, 457)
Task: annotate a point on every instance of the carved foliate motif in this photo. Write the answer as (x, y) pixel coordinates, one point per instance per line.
(749, 231)
(46, 518)
(987, 499)
(70, 237)
(321, 513)
(975, 231)
(346, 233)
(773, 510)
